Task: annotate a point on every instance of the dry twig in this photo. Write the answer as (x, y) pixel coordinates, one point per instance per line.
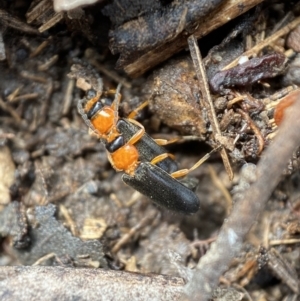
(8, 20)
(255, 129)
(207, 101)
(125, 238)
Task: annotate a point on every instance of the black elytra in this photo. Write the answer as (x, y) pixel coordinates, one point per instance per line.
(162, 189)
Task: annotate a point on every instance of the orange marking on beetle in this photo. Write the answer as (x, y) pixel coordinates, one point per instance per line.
(125, 158)
(103, 120)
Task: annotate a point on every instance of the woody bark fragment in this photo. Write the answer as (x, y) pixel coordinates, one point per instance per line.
(137, 54)
(58, 283)
(247, 208)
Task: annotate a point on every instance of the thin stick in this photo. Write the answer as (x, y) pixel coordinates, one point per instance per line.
(6, 107)
(126, 237)
(255, 129)
(207, 101)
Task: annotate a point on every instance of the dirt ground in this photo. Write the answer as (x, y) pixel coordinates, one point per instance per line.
(63, 205)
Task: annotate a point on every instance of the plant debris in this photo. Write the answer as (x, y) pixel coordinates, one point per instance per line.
(65, 212)
(248, 73)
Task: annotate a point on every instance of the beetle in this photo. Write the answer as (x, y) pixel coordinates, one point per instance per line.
(147, 166)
